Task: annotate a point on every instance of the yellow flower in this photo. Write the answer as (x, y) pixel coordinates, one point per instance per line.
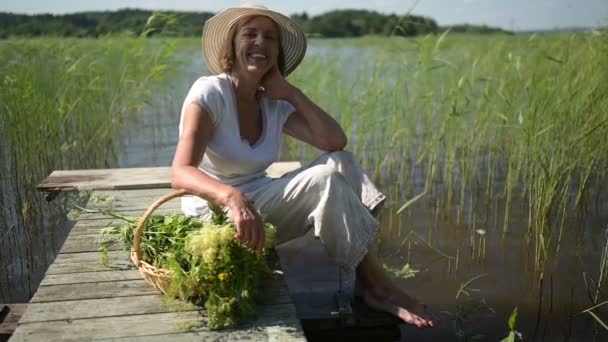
(222, 276)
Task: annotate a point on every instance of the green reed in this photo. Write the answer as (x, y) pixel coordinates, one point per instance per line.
(61, 104)
(473, 118)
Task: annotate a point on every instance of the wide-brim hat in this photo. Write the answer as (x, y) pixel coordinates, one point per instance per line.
(217, 28)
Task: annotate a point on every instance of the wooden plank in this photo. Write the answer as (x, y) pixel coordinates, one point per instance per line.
(94, 308)
(90, 262)
(94, 226)
(128, 195)
(89, 230)
(131, 213)
(270, 333)
(130, 202)
(107, 179)
(142, 204)
(65, 284)
(127, 178)
(276, 320)
(124, 288)
(273, 291)
(99, 223)
(4, 310)
(89, 277)
(89, 243)
(9, 315)
(76, 301)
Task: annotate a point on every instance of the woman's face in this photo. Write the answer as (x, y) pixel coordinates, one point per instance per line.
(256, 45)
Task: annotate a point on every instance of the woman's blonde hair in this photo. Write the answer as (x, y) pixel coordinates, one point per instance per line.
(227, 49)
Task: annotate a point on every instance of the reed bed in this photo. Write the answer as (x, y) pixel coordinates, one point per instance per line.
(61, 103)
(463, 120)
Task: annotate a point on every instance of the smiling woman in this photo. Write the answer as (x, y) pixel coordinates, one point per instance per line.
(231, 128)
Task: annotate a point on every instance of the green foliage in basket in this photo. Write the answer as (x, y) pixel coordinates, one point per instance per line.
(208, 264)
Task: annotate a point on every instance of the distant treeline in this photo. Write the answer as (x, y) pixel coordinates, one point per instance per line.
(94, 24)
(339, 23)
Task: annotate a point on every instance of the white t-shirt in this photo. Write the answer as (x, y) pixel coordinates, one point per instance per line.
(229, 158)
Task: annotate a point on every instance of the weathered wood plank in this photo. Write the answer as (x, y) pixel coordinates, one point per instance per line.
(92, 223)
(90, 262)
(106, 327)
(273, 322)
(89, 277)
(89, 257)
(102, 222)
(93, 227)
(133, 213)
(273, 291)
(91, 230)
(123, 288)
(107, 179)
(127, 178)
(94, 308)
(141, 204)
(89, 243)
(9, 315)
(119, 298)
(127, 195)
(270, 333)
(131, 199)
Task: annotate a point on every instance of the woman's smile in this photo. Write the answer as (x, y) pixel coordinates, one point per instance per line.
(256, 58)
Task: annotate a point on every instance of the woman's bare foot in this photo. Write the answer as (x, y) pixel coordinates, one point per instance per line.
(380, 292)
(391, 305)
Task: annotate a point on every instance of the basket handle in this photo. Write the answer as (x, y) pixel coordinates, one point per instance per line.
(135, 249)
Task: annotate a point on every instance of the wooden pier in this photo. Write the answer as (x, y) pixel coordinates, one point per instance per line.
(81, 299)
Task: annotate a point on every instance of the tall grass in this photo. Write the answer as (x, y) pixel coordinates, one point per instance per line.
(62, 102)
(473, 118)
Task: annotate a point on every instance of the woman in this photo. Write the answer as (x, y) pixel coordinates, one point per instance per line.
(230, 132)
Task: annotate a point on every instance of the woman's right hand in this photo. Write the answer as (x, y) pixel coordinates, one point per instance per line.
(249, 226)
(196, 132)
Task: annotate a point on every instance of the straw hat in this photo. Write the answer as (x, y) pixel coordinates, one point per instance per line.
(216, 29)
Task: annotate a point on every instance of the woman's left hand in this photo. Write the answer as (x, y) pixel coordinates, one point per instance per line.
(276, 86)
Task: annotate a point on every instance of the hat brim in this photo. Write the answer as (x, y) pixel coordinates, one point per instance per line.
(217, 28)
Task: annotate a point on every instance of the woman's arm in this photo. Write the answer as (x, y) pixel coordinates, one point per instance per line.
(309, 122)
(196, 132)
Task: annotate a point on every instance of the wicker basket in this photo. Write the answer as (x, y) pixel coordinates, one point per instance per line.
(158, 277)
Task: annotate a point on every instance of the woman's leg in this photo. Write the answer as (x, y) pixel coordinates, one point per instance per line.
(345, 163)
(379, 290)
(319, 197)
(334, 196)
(381, 293)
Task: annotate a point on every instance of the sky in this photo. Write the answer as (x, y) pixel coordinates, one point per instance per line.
(508, 14)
